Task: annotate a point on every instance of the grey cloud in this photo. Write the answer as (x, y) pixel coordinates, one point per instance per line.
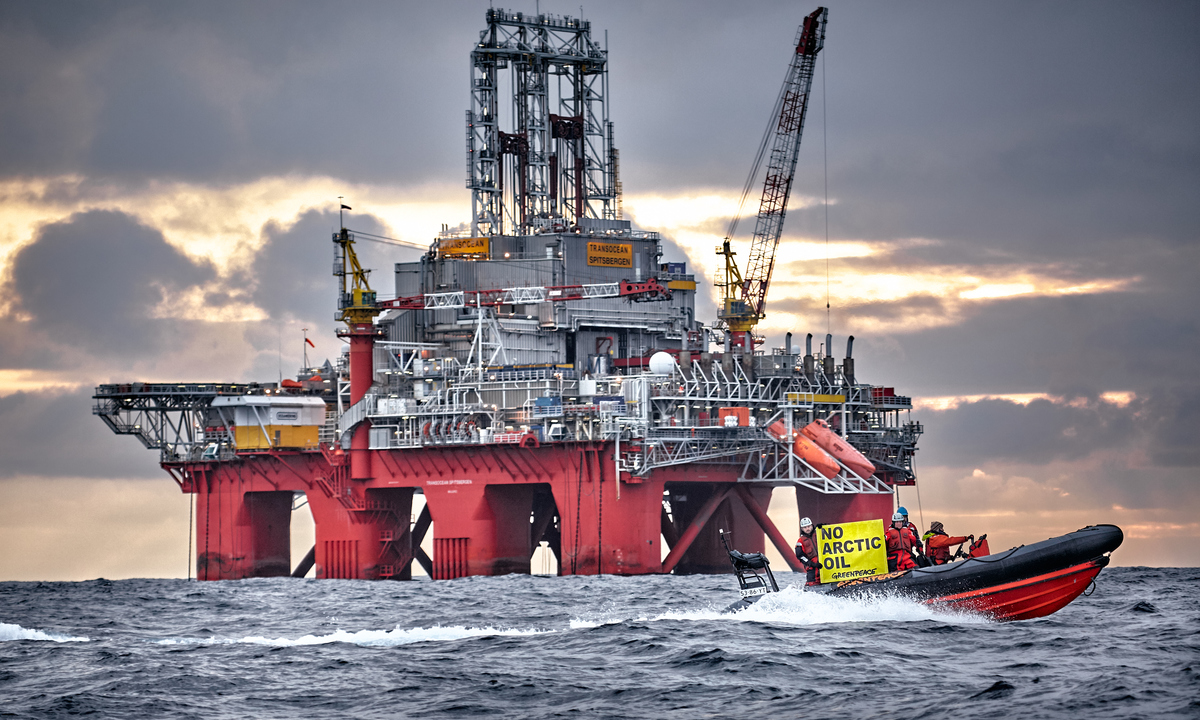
(230, 90)
(22, 347)
(964, 258)
(1037, 433)
(1171, 418)
(944, 120)
(1137, 340)
(705, 308)
(1033, 495)
(1140, 455)
(54, 434)
(850, 314)
(95, 279)
(292, 274)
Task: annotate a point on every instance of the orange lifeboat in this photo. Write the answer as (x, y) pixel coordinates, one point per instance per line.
(809, 452)
(806, 449)
(818, 431)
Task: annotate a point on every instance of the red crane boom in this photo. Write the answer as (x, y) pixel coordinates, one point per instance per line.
(746, 294)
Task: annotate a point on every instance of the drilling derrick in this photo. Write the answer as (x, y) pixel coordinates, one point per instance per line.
(537, 383)
(745, 296)
(557, 164)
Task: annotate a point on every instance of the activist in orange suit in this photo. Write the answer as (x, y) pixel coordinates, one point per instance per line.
(901, 544)
(806, 552)
(937, 543)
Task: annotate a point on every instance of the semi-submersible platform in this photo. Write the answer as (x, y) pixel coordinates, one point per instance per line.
(540, 378)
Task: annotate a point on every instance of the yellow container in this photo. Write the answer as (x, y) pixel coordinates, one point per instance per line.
(251, 437)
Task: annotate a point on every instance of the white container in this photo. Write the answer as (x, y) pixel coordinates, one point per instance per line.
(380, 437)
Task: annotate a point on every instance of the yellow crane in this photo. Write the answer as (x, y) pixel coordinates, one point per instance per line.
(356, 303)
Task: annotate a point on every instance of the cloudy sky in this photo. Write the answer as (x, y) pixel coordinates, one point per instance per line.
(1014, 229)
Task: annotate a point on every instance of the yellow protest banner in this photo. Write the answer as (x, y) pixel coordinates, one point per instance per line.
(851, 550)
(453, 247)
(603, 254)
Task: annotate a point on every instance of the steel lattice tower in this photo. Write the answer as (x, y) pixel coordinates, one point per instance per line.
(557, 165)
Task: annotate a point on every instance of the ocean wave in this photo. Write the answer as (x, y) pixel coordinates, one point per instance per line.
(364, 638)
(16, 632)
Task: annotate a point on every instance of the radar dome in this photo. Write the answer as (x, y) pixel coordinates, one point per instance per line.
(662, 363)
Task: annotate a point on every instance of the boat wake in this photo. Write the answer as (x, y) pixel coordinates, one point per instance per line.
(794, 606)
(364, 638)
(16, 632)
(791, 605)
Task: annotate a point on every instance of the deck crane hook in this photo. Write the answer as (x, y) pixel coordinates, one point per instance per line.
(745, 294)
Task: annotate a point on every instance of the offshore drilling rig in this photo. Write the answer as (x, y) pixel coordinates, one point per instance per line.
(541, 379)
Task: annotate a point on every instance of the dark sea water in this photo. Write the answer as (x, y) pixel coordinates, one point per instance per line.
(620, 647)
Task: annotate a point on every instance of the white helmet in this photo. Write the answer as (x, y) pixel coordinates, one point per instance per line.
(897, 517)
(805, 523)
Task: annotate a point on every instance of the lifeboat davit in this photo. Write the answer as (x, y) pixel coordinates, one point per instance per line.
(1025, 582)
(819, 432)
(807, 450)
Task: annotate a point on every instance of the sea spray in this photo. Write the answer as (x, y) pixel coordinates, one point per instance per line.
(10, 632)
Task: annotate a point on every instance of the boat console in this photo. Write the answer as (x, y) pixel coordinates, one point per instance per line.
(753, 572)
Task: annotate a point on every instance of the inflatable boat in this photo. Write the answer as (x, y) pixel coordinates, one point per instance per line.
(1029, 581)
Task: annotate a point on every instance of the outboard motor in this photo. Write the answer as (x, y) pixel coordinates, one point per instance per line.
(754, 575)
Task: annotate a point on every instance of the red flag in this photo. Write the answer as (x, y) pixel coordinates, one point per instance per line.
(310, 342)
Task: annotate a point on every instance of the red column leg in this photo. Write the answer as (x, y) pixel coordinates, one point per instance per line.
(694, 528)
(265, 523)
(777, 539)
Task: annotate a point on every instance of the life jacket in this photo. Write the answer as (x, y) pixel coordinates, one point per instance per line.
(916, 531)
(900, 541)
(807, 546)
